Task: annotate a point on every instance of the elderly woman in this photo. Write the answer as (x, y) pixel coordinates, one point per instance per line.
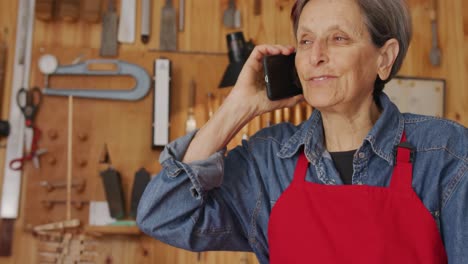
(358, 182)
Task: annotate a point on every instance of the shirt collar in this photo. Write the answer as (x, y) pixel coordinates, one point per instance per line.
(383, 137)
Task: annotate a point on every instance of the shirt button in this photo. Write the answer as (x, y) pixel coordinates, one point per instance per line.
(361, 155)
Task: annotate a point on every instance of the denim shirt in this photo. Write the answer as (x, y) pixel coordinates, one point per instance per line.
(224, 202)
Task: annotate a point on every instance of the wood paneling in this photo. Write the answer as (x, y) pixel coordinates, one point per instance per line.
(126, 126)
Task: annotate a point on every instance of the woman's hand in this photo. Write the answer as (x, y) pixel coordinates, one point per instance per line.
(249, 89)
(246, 100)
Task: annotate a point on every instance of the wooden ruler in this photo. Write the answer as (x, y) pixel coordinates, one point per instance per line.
(21, 69)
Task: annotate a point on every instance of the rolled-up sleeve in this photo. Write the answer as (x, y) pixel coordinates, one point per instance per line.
(182, 205)
(204, 174)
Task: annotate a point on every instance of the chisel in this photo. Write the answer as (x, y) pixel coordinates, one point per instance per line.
(145, 21)
(168, 34)
(109, 32)
(181, 15)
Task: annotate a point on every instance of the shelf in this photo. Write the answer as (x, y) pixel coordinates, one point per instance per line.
(113, 230)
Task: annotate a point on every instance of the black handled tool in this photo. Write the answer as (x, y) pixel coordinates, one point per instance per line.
(114, 192)
(142, 177)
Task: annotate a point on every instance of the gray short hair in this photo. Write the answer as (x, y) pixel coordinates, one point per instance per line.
(384, 19)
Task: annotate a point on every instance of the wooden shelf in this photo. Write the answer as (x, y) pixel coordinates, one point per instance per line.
(113, 230)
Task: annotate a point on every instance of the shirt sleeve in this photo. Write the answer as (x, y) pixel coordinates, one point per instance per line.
(454, 221)
(186, 204)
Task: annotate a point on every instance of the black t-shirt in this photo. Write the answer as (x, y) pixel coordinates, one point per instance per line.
(344, 164)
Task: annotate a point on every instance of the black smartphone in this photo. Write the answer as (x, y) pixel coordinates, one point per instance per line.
(281, 76)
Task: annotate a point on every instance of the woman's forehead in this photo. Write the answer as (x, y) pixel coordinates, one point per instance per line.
(327, 15)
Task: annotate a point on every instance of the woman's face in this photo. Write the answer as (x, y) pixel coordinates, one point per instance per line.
(336, 60)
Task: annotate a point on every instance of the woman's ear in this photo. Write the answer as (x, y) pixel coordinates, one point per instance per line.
(388, 55)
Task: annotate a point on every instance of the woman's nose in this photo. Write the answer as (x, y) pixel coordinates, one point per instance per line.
(318, 54)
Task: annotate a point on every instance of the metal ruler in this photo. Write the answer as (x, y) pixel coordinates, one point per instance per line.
(21, 68)
(161, 102)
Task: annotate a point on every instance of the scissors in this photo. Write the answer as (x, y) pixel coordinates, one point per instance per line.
(17, 164)
(29, 101)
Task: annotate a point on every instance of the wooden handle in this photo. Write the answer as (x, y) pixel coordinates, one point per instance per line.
(69, 10)
(209, 105)
(91, 10)
(45, 9)
(298, 116)
(3, 54)
(286, 114)
(192, 94)
(257, 7)
(278, 116)
(433, 10)
(309, 110)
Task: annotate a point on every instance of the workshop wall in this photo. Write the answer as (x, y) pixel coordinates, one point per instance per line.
(126, 129)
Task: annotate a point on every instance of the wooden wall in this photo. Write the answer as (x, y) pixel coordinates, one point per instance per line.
(126, 127)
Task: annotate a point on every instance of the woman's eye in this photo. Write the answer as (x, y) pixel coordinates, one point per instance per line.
(340, 38)
(305, 42)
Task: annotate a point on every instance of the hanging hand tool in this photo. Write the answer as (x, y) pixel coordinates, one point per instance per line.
(229, 16)
(45, 9)
(168, 34)
(298, 115)
(28, 101)
(435, 53)
(127, 21)
(191, 123)
(286, 114)
(146, 9)
(4, 125)
(78, 184)
(142, 178)
(91, 10)
(69, 10)
(142, 87)
(11, 187)
(4, 128)
(109, 31)
(278, 116)
(181, 15)
(161, 102)
(57, 225)
(210, 105)
(112, 183)
(3, 56)
(257, 7)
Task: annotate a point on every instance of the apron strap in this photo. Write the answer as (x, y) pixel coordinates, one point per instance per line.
(301, 168)
(402, 177)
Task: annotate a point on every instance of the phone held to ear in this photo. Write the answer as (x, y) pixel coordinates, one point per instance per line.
(281, 77)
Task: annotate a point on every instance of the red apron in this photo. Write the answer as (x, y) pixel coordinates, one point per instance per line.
(316, 223)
